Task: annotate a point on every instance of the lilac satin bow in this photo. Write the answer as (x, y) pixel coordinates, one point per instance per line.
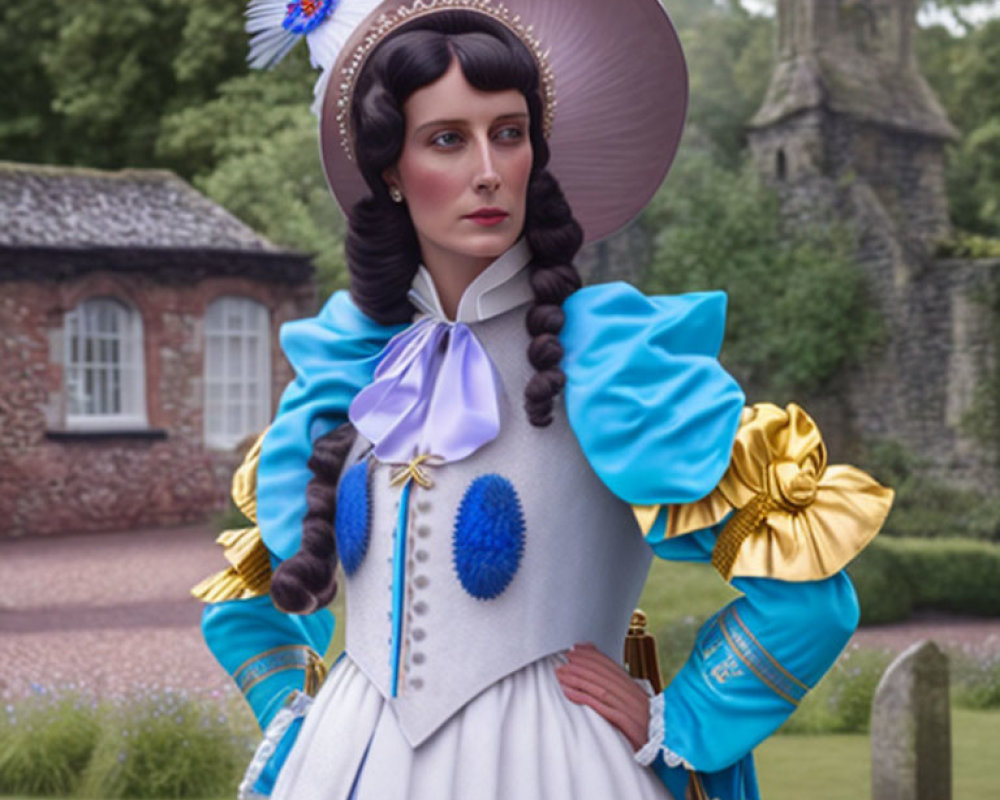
(434, 392)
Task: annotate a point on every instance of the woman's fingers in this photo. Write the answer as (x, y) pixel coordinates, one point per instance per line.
(590, 678)
(589, 654)
(610, 690)
(617, 678)
(615, 716)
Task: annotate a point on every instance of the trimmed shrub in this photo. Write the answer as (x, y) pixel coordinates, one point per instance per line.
(164, 744)
(952, 575)
(883, 589)
(895, 576)
(46, 741)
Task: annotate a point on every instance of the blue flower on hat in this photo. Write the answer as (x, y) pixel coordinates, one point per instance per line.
(304, 16)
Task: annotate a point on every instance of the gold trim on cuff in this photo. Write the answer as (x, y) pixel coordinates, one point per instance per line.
(258, 668)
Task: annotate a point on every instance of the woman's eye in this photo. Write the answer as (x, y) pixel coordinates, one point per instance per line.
(510, 134)
(446, 139)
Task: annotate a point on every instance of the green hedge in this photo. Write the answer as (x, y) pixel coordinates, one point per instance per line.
(896, 576)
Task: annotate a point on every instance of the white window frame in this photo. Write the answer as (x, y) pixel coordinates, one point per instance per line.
(237, 373)
(109, 356)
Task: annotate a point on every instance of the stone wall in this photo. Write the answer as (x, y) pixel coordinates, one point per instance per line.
(57, 481)
(792, 150)
(906, 170)
(920, 388)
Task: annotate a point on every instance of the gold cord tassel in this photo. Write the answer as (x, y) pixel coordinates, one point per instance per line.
(695, 790)
(744, 522)
(640, 652)
(315, 674)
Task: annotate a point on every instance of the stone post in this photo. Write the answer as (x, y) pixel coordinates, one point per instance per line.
(911, 728)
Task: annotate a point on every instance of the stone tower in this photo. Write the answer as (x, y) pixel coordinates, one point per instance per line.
(850, 131)
(847, 99)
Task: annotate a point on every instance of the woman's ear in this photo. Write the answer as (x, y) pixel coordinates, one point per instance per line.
(391, 176)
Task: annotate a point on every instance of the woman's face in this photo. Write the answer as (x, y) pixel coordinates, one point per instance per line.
(464, 170)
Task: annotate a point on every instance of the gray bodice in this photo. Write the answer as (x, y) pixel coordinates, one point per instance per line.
(580, 564)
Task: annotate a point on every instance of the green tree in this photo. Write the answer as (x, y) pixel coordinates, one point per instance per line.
(91, 84)
(798, 309)
(729, 53)
(965, 71)
(255, 151)
(29, 128)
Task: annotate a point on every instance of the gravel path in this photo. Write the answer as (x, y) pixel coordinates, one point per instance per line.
(106, 612)
(112, 613)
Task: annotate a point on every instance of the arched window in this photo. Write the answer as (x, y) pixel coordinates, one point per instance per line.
(105, 378)
(237, 371)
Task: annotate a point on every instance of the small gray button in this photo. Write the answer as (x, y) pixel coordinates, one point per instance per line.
(419, 658)
(418, 634)
(422, 555)
(420, 607)
(421, 581)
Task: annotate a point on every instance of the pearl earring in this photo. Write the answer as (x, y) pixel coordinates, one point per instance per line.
(395, 194)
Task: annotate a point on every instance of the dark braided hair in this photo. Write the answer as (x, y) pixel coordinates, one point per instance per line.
(307, 581)
(383, 251)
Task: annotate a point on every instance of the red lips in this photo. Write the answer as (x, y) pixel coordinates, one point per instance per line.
(488, 216)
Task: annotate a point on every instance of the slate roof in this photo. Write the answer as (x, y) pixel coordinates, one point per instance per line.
(73, 207)
(869, 90)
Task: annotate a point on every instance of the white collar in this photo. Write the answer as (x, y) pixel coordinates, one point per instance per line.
(503, 285)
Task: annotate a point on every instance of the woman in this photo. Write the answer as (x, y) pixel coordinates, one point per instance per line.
(511, 439)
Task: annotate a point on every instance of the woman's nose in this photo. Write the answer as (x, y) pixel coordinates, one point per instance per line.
(487, 178)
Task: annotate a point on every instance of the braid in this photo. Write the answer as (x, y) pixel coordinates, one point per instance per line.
(555, 238)
(307, 581)
(382, 256)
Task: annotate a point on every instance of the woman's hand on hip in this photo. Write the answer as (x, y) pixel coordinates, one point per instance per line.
(592, 679)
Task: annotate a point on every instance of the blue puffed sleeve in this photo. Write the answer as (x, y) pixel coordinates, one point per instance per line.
(652, 408)
(334, 356)
(656, 416)
(753, 661)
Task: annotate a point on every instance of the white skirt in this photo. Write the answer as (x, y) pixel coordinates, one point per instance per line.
(520, 739)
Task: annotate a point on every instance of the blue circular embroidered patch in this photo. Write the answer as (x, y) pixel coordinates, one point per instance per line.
(352, 519)
(489, 536)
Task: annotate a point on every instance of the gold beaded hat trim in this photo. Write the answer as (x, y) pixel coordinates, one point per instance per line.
(387, 22)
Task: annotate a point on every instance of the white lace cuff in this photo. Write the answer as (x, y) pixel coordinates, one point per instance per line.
(654, 745)
(296, 706)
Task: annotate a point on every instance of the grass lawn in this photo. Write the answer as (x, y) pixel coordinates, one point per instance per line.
(679, 588)
(837, 767)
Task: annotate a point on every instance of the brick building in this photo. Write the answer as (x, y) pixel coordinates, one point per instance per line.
(138, 347)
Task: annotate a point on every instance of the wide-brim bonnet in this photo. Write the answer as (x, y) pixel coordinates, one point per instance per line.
(614, 86)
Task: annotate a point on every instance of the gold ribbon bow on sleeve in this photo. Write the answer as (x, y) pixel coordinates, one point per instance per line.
(796, 518)
(249, 571)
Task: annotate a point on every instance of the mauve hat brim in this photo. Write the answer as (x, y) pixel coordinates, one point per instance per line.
(621, 90)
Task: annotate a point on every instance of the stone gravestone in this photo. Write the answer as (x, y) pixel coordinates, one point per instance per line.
(911, 728)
